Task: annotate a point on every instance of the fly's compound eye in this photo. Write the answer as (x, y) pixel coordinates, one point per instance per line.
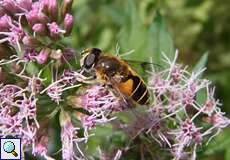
(89, 61)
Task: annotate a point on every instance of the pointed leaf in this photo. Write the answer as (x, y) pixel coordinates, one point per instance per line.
(159, 40)
(133, 34)
(202, 62)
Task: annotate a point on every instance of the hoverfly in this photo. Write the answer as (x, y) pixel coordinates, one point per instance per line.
(116, 73)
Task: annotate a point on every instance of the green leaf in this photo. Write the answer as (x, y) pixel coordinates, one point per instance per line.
(132, 36)
(159, 40)
(202, 62)
(218, 144)
(32, 68)
(201, 96)
(100, 138)
(227, 154)
(47, 74)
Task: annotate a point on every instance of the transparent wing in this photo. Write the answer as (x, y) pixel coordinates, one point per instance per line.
(143, 68)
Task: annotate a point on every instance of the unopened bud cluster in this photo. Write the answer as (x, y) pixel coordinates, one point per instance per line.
(34, 27)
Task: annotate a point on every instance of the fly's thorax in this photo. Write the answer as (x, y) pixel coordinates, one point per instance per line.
(111, 67)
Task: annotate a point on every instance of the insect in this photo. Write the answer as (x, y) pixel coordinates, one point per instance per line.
(116, 73)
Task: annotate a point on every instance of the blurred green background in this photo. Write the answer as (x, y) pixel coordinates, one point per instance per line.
(195, 27)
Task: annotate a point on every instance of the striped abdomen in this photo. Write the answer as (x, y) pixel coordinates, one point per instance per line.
(135, 88)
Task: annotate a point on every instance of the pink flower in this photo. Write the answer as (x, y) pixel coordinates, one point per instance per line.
(27, 107)
(55, 92)
(43, 56)
(69, 77)
(68, 23)
(39, 29)
(32, 17)
(211, 105)
(88, 122)
(55, 30)
(187, 135)
(52, 6)
(55, 89)
(10, 6)
(41, 147)
(176, 73)
(26, 5)
(188, 97)
(98, 98)
(29, 54)
(5, 23)
(68, 137)
(18, 114)
(13, 36)
(219, 121)
(176, 90)
(158, 85)
(36, 15)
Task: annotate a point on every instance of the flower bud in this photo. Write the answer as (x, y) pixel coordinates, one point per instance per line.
(25, 4)
(30, 42)
(54, 29)
(5, 22)
(53, 9)
(68, 24)
(32, 17)
(10, 6)
(39, 29)
(42, 57)
(66, 7)
(36, 16)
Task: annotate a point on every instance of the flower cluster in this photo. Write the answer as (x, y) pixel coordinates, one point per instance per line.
(18, 113)
(32, 32)
(175, 100)
(66, 81)
(33, 28)
(100, 103)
